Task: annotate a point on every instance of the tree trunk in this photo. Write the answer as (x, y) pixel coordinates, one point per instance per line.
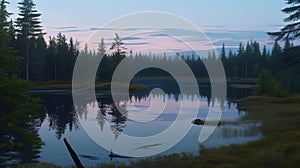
(27, 59)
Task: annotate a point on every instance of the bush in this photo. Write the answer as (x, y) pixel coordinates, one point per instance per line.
(267, 85)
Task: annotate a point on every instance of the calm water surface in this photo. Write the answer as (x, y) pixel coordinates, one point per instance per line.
(59, 120)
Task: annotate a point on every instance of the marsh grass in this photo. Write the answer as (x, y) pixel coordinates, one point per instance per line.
(243, 86)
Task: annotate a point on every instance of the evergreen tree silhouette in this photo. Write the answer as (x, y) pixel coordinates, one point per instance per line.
(28, 25)
(290, 57)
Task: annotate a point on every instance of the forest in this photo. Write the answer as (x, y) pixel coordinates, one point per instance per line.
(28, 55)
(45, 58)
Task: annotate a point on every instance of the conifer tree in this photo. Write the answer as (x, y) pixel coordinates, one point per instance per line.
(118, 46)
(292, 29)
(290, 57)
(101, 48)
(18, 139)
(28, 26)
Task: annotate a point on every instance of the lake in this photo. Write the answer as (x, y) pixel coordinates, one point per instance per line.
(59, 120)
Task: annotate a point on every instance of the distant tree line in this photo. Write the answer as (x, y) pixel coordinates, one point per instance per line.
(56, 60)
(248, 62)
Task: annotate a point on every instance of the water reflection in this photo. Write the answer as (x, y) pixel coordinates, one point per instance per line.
(118, 120)
(60, 118)
(59, 110)
(235, 130)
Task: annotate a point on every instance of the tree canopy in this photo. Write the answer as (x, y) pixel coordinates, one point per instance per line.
(290, 56)
(19, 140)
(28, 27)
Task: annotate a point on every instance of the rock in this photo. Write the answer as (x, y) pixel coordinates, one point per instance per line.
(198, 122)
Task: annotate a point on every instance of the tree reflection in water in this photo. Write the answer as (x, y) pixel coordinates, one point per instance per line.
(108, 110)
(60, 113)
(118, 120)
(59, 109)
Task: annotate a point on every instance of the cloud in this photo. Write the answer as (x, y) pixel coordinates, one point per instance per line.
(159, 35)
(138, 43)
(133, 29)
(237, 35)
(72, 31)
(180, 32)
(210, 26)
(101, 28)
(174, 50)
(217, 35)
(133, 38)
(227, 43)
(66, 27)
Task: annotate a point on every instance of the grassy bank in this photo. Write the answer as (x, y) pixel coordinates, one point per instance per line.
(243, 86)
(67, 85)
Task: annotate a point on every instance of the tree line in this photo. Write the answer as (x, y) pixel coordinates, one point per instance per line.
(55, 60)
(249, 61)
(40, 61)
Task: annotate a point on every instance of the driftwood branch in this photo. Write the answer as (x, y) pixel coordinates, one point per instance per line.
(73, 154)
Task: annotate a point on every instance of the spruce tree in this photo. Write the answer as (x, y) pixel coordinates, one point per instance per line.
(275, 56)
(118, 46)
(8, 60)
(19, 140)
(101, 48)
(287, 44)
(223, 58)
(28, 26)
(292, 29)
(290, 57)
(264, 57)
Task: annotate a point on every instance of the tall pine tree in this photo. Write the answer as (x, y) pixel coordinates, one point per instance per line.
(28, 26)
(292, 29)
(291, 56)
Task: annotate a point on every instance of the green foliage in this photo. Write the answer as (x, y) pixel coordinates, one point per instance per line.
(291, 30)
(267, 85)
(61, 56)
(28, 22)
(19, 140)
(118, 46)
(101, 48)
(28, 28)
(109, 62)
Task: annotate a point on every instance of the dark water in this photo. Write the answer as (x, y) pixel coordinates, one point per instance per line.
(59, 120)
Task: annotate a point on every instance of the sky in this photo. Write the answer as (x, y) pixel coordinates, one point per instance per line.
(239, 20)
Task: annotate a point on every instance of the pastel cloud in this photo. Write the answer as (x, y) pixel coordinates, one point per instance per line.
(172, 39)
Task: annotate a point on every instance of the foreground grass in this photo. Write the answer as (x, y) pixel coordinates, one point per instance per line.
(67, 85)
(280, 147)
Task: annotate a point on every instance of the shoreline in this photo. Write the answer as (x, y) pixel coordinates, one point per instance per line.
(67, 85)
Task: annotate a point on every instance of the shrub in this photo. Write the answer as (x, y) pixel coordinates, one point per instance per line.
(267, 85)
